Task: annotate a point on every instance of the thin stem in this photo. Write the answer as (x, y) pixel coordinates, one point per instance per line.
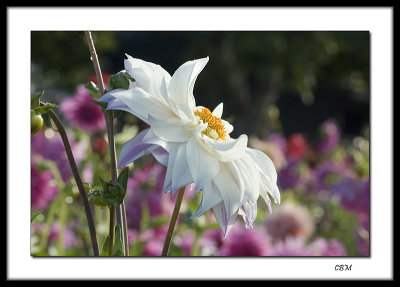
(172, 223)
(121, 214)
(112, 227)
(78, 180)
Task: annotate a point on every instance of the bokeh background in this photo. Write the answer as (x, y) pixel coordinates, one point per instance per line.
(301, 97)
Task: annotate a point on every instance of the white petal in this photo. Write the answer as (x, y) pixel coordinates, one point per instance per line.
(143, 104)
(267, 171)
(228, 150)
(172, 130)
(134, 149)
(218, 110)
(264, 194)
(249, 213)
(168, 176)
(203, 166)
(181, 85)
(250, 176)
(161, 155)
(229, 188)
(224, 222)
(181, 175)
(148, 76)
(209, 199)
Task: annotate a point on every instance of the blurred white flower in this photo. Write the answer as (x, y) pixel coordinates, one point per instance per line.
(193, 142)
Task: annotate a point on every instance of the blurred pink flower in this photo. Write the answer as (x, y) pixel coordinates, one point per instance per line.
(52, 148)
(319, 247)
(323, 247)
(144, 188)
(69, 238)
(43, 190)
(81, 112)
(290, 220)
(245, 242)
(185, 241)
(330, 136)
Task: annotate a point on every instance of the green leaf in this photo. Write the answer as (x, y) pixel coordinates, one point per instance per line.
(103, 105)
(106, 245)
(94, 195)
(35, 100)
(123, 177)
(118, 249)
(93, 89)
(35, 214)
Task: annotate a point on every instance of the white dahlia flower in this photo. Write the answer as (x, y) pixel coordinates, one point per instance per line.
(193, 142)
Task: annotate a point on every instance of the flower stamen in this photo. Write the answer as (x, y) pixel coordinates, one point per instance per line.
(216, 129)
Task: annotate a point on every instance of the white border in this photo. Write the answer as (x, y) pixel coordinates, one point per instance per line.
(22, 20)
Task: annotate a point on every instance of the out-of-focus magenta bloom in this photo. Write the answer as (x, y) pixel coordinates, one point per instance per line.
(290, 220)
(327, 173)
(43, 190)
(69, 238)
(295, 175)
(53, 149)
(153, 240)
(330, 136)
(144, 188)
(185, 242)
(291, 246)
(81, 112)
(296, 146)
(319, 247)
(245, 242)
(323, 247)
(353, 194)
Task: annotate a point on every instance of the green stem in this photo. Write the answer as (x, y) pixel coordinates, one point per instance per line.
(121, 214)
(111, 231)
(78, 180)
(172, 223)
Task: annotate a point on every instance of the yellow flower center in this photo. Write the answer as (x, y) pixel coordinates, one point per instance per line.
(215, 128)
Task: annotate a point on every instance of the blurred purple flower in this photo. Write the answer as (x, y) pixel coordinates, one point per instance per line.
(146, 188)
(245, 242)
(353, 194)
(323, 247)
(81, 112)
(52, 148)
(185, 242)
(330, 136)
(43, 190)
(290, 246)
(297, 247)
(69, 238)
(294, 175)
(290, 220)
(328, 172)
(154, 240)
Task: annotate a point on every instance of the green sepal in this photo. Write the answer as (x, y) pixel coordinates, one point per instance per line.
(45, 108)
(123, 178)
(93, 89)
(113, 193)
(47, 120)
(35, 214)
(94, 195)
(35, 100)
(118, 249)
(106, 245)
(118, 81)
